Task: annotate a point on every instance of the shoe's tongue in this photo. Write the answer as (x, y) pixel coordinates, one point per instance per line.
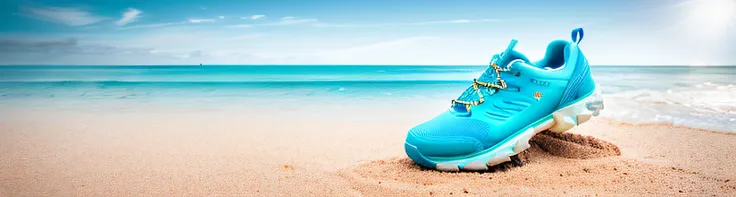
(510, 55)
(502, 60)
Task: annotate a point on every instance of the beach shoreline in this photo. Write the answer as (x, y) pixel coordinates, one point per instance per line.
(48, 153)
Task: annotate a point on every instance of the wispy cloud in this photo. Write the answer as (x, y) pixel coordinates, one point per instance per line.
(154, 25)
(66, 16)
(190, 20)
(62, 47)
(240, 26)
(288, 20)
(221, 17)
(257, 16)
(129, 16)
(248, 36)
(458, 21)
(176, 54)
(199, 20)
(16, 45)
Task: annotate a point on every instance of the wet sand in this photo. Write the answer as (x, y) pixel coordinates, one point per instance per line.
(213, 153)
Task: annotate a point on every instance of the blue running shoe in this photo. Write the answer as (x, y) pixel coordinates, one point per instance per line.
(513, 100)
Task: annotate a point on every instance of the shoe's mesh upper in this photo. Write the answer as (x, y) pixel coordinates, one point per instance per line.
(580, 76)
(448, 125)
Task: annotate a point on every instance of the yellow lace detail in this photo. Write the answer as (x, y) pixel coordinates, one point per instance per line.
(501, 84)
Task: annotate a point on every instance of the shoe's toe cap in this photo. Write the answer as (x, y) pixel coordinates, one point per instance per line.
(444, 146)
(447, 135)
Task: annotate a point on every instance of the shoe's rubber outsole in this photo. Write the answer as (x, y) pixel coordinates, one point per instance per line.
(560, 121)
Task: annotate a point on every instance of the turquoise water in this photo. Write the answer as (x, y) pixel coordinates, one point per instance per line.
(701, 97)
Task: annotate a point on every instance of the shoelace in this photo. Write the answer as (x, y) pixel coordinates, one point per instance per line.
(500, 84)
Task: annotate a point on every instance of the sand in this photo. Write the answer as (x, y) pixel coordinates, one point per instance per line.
(211, 153)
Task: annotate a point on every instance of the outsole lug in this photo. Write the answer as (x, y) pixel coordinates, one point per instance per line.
(544, 126)
(447, 167)
(475, 166)
(562, 123)
(523, 142)
(582, 118)
(497, 159)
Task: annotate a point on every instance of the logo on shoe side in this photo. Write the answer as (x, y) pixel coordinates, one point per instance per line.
(537, 95)
(539, 82)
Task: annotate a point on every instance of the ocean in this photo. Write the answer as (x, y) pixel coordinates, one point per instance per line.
(698, 97)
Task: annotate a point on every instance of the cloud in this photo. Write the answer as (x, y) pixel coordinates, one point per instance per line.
(14, 45)
(248, 36)
(179, 55)
(458, 21)
(191, 20)
(256, 17)
(221, 17)
(61, 47)
(198, 20)
(130, 15)
(66, 16)
(154, 25)
(288, 20)
(239, 26)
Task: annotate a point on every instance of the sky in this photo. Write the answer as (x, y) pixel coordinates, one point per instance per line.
(376, 32)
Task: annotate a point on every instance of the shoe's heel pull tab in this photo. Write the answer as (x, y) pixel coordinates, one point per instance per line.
(577, 35)
(510, 47)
